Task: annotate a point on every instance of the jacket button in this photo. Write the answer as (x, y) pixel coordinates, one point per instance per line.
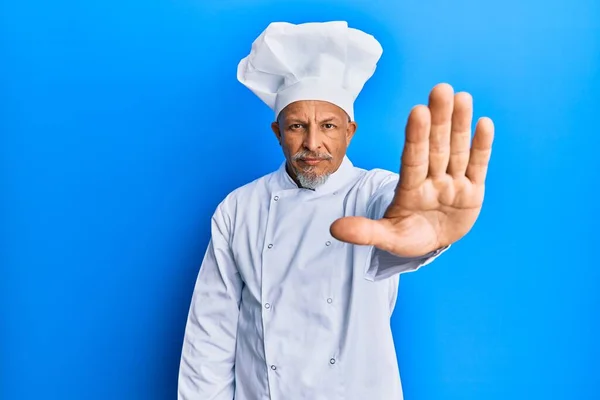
(330, 300)
(276, 198)
(267, 306)
(270, 245)
(327, 243)
(332, 361)
(273, 367)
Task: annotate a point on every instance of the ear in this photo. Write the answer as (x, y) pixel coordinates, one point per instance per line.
(276, 131)
(350, 131)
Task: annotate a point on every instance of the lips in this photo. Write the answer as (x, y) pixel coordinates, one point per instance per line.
(311, 161)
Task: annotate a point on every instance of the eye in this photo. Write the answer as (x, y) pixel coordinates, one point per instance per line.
(328, 126)
(295, 126)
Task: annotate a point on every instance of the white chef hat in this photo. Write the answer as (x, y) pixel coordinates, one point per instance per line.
(325, 61)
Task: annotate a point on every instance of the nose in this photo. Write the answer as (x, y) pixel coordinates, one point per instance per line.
(312, 139)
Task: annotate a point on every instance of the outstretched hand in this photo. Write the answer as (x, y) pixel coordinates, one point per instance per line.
(442, 180)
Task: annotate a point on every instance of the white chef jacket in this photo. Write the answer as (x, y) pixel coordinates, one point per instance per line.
(281, 310)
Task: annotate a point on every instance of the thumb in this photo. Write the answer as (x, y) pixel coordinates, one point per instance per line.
(360, 231)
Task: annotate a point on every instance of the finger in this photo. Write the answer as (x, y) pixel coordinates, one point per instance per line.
(460, 140)
(441, 102)
(360, 231)
(415, 156)
(481, 151)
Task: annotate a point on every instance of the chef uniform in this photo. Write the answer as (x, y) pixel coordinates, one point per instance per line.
(281, 310)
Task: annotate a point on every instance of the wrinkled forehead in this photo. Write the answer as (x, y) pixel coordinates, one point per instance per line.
(313, 110)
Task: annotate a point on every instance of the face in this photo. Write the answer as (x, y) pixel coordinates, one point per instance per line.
(314, 136)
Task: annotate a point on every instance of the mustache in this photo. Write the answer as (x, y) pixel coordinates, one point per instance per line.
(309, 154)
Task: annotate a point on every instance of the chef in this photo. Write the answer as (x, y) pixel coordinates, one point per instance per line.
(295, 292)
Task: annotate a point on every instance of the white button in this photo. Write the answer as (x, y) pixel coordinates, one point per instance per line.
(276, 198)
(332, 361)
(330, 300)
(273, 367)
(270, 245)
(328, 243)
(267, 305)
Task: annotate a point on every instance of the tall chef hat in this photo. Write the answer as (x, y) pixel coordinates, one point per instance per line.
(325, 61)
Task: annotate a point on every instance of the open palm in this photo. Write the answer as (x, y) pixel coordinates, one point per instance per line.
(442, 180)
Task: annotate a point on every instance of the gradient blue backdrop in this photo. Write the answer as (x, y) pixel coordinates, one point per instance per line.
(122, 126)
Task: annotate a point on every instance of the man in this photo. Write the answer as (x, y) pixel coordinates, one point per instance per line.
(294, 296)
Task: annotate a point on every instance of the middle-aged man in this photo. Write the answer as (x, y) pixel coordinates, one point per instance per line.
(295, 292)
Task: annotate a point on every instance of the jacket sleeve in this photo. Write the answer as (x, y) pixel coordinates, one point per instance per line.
(382, 264)
(206, 369)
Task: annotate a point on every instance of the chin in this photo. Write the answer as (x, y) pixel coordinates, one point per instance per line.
(313, 171)
(312, 181)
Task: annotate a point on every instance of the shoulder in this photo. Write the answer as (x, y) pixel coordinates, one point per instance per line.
(235, 200)
(377, 179)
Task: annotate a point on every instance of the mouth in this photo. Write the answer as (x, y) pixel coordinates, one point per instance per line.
(311, 161)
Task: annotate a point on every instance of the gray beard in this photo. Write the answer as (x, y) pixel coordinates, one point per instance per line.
(309, 180)
(306, 177)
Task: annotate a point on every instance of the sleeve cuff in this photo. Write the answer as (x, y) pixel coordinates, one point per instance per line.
(383, 264)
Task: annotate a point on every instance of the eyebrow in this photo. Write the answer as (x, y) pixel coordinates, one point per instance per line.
(294, 121)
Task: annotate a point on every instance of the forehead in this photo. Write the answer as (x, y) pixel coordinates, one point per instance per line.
(311, 109)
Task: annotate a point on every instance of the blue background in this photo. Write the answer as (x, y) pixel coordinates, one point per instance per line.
(122, 127)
